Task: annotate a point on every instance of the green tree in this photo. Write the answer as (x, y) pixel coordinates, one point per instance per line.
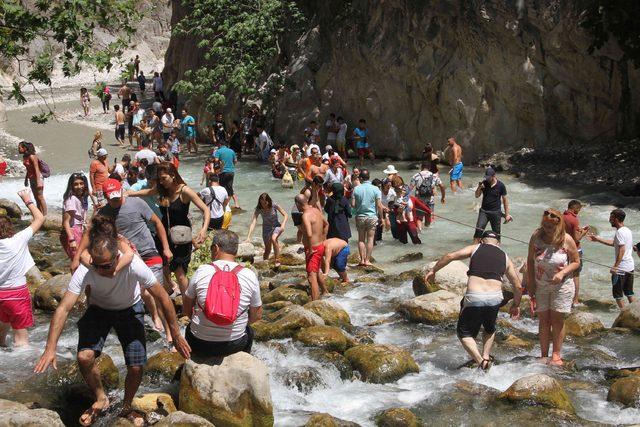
(239, 41)
(66, 29)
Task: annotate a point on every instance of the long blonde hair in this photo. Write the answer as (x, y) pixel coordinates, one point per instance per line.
(558, 234)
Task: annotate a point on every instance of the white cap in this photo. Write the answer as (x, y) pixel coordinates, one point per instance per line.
(273, 150)
(169, 110)
(328, 147)
(101, 152)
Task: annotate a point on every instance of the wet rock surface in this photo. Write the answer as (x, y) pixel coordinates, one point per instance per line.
(433, 308)
(381, 363)
(539, 389)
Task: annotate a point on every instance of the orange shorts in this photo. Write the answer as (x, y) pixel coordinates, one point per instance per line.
(314, 259)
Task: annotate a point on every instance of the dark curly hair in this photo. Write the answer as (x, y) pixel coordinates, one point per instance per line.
(6, 228)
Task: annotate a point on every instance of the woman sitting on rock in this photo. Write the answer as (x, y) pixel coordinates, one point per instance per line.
(553, 257)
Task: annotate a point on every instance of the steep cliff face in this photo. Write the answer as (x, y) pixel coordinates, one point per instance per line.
(495, 74)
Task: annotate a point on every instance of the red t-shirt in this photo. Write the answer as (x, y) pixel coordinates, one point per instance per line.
(571, 225)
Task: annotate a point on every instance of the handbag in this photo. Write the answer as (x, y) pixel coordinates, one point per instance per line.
(178, 234)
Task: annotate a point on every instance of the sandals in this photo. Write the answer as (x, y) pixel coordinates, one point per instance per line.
(486, 364)
(93, 413)
(138, 419)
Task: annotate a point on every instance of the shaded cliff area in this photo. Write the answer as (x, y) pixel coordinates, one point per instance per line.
(496, 74)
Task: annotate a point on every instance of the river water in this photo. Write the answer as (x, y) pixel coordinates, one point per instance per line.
(436, 349)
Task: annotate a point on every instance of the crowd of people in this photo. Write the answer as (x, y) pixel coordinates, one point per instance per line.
(131, 252)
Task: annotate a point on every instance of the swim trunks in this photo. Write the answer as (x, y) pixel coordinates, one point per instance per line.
(339, 263)
(478, 309)
(15, 308)
(314, 259)
(456, 172)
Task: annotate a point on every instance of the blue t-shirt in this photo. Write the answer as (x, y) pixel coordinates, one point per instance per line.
(228, 156)
(152, 201)
(366, 195)
(362, 142)
(188, 127)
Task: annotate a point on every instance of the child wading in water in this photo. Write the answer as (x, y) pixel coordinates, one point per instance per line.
(271, 227)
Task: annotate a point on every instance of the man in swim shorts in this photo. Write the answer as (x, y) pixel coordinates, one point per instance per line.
(336, 254)
(455, 160)
(483, 297)
(314, 231)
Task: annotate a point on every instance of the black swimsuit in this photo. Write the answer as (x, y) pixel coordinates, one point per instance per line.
(177, 214)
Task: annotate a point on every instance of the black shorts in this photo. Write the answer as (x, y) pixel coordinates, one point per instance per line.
(120, 132)
(226, 180)
(471, 318)
(95, 324)
(216, 223)
(622, 285)
(204, 349)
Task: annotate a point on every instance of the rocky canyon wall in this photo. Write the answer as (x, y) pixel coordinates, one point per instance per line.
(495, 74)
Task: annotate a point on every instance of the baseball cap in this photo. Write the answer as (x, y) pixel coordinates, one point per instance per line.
(328, 147)
(490, 234)
(273, 150)
(101, 152)
(489, 172)
(112, 189)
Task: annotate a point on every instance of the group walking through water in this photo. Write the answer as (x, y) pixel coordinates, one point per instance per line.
(127, 230)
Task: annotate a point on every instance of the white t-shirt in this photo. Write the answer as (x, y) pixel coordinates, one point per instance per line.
(167, 123)
(119, 169)
(145, 153)
(15, 259)
(264, 140)
(214, 207)
(624, 237)
(203, 328)
(342, 132)
(329, 124)
(390, 197)
(114, 293)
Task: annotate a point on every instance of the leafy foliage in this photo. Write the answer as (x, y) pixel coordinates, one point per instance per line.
(66, 28)
(239, 40)
(617, 18)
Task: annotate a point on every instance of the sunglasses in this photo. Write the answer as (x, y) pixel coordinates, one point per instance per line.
(107, 266)
(551, 215)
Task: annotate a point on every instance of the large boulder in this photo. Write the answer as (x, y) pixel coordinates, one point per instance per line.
(292, 255)
(397, 417)
(433, 308)
(422, 287)
(582, 323)
(246, 252)
(286, 322)
(164, 364)
(629, 317)
(286, 293)
(539, 389)
(326, 420)
(626, 390)
(49, 294)
(52, 223)
(453, 277)
(182, 419)
(326, 337)
(378, 363)
(303, 378)
(160, 403)
(235, 393)
(30, 417)
(12, 208)
(69, 374)
(331, 312)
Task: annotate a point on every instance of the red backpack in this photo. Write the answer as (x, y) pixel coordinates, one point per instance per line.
(223, 296)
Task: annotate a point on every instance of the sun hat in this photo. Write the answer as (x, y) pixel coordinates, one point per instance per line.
(390, 170)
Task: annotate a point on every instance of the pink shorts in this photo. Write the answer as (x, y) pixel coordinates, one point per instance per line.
(15, 308)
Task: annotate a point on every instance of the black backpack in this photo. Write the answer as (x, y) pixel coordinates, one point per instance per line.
(425, 189)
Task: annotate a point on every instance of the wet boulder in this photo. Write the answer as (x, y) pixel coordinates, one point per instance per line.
(286, 293)
(612, 374)
(626, 390)
(164, 364)
(514, 341)
(539, 389)
(422, 287)
(629, 317)
(160, 403)
(286, 322)
(354, 258)
(326, 337)
(304, 379)
(292, 255)
(234, 393)
(326, 420)
(433, 308)
(183, 419)
(410, 257)
(11, 208)
(275, 306)
(452, 277)
(334, 359)
(331, 312)
(29, 417)
(378, 363)
(49, 294)
(246, 252)
(582, 323)
(397, 417)
(52, 223)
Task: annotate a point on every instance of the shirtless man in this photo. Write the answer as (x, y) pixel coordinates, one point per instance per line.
(483, 297)
(336, 253)
(120, 118)
(314, 231)
(125, 94)
(455, 159)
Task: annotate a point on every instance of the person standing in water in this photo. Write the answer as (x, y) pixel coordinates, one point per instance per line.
(188, 126)
(573, 229)
(623, 266)
(553, 257)
(120, 125)
(336, 255)
(367, 204)
(494, 196)
(16, 261)
(271, 226)
(114, 302)
(314, 231)
(34, 176)
(488, 263)
(455, 160)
